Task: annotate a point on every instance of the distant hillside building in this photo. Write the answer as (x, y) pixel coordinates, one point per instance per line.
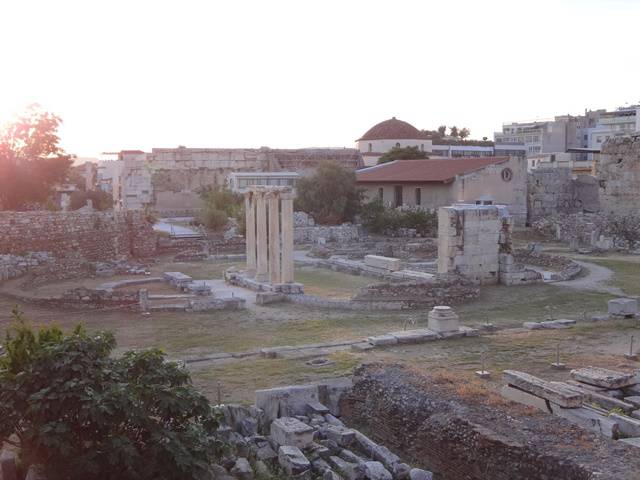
(384, 136)
(435, 183)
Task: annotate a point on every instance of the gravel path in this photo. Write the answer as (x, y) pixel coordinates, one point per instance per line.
(597, 278)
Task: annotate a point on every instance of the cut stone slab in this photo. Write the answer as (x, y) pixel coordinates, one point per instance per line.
(285, 401)
(634, 442)
(633, 400)
(597, 398)
(343, 436)
(382, 340)
(623, 307)
(589, 420)
(602, 377)
(469, 332)
(414, 336)
(350, 471)
(524, 398)
(361, 346)
(317, 407)
(629, 427)
(292, 460)
(292, 432)
(419, 474)
(385, 263)
(443, 319)
(541, 388)
(549, 324)
(376, 471)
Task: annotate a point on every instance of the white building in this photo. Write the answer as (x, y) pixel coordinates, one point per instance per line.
(618, 123)
(384, 136)
(240, 182)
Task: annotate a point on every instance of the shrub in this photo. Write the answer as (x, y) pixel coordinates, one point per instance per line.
(378, 218)
(213, 218)
(402, 153)
(330, 195)
(220, 203)
(68, 405)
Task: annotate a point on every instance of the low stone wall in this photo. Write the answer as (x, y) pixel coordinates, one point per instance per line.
(442, 290)
(91, 235)
(84, 299)
(455, 431)
(563, 268)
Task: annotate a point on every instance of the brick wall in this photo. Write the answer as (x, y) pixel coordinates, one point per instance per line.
(91, 235)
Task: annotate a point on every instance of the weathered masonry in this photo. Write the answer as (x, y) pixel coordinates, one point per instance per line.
(619, 176)
(92, 235)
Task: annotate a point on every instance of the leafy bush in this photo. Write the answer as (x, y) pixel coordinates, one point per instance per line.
(101, 200)
(378, 218)
(68, 405)
(220, 203)
(330, 195)
(402, 153)
(212, 218)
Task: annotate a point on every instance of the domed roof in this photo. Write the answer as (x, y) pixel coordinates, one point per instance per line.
(392, 129)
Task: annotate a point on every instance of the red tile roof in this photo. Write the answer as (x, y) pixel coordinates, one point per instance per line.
(424, 171)
(393, 129)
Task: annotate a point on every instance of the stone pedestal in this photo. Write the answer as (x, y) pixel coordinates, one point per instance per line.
(443, 319)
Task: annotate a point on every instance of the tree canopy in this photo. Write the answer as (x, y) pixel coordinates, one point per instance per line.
(330, 195)
(71, 407)
(31, 161)
(402, 153)
(220, 204)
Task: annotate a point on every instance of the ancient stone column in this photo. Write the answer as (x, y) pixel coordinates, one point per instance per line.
(287, 237)
(262, 264)
(250, 234)
(274, 237)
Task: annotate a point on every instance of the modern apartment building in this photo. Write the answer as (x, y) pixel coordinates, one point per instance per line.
(618, 123)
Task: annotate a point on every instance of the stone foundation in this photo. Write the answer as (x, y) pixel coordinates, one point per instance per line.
(90, 235)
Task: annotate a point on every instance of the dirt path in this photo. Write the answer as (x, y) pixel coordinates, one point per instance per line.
(597, 278)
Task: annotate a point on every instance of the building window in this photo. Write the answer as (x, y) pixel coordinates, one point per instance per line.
(370, 147)
(418, 196)
(398, 144)
(381, 194)
(398, 195)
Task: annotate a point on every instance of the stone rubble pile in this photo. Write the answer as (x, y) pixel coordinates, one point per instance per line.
(13, 266)
(597, 399)
(297, 431)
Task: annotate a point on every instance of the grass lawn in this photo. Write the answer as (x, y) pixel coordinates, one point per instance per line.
(627, 270)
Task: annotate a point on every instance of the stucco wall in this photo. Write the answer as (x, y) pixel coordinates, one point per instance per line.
(433, 195)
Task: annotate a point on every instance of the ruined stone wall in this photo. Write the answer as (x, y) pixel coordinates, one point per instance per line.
(91, 235)
(551, 191)
(442, 290)
(619, 176)
(437, 425)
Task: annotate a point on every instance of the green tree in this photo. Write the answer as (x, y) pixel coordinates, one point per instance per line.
(220, 204)
(330, 195)
(31, 161)
(100, 200)
(442, 130)
(70, 406)
(402, 153)
(453, 131)
(464, 133)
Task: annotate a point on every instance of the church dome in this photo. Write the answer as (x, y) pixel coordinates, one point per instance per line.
(392, 129)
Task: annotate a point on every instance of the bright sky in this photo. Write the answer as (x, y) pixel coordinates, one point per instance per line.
(239, 73)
